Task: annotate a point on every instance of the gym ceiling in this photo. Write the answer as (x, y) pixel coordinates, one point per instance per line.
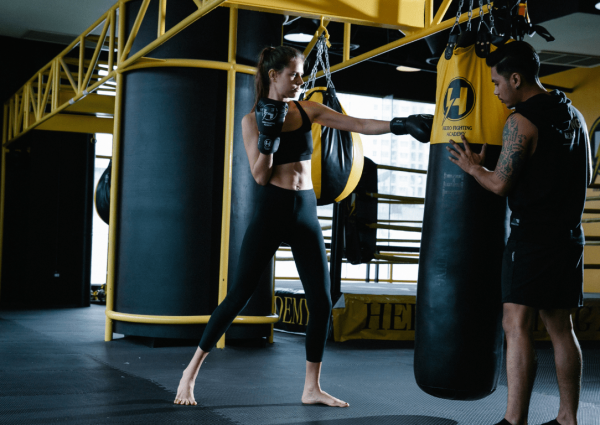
(575, 24)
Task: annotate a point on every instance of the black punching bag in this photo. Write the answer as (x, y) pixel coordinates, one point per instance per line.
(102, 196)
(458, 338)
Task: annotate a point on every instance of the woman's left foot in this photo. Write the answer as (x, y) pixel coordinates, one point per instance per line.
(321, 397)
(185, 391)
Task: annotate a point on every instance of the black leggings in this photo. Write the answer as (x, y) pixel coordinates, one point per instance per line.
(282, 216)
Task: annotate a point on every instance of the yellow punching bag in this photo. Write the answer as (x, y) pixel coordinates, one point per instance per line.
(337, 159)
(458, 338)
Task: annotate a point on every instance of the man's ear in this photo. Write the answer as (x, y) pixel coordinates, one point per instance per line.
(516, 80)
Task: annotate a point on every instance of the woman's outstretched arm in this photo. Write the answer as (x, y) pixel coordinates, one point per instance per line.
(327, 117)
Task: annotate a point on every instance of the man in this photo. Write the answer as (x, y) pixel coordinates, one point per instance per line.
(544, 169)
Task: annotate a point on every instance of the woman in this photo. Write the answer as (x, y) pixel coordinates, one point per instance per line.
(287, 213)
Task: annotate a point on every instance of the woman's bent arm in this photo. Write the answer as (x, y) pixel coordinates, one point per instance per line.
(261, 165)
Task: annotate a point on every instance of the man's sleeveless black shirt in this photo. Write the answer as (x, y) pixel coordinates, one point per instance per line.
(549, 195)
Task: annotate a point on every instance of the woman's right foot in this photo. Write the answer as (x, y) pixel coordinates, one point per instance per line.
(185, 391)
(318, 396)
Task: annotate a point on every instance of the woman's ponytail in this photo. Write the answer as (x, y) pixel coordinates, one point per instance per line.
(276, 58)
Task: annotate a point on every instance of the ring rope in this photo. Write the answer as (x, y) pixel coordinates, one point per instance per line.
(392, 227)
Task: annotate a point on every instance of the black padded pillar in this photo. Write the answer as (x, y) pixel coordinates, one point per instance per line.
(171, 173)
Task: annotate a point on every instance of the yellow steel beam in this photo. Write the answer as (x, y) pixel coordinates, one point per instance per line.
(272, 304)
(46, 93)
(92, 64)
(26, 106)
(347, 32)
(111, 39)
(92, 103)
(162, 14)
(428, 13)
(81, 59)
(405, 14)
(3, 185)
(417, 35)
(112, 221)
(186, 320)
(190, 63)
(136, 27)
(77, 124)
(322, 28)
(207, 6)
(228, 166)
(68, 73)
(439, 15)
(33, 101)
(56, 88)
(44, 117)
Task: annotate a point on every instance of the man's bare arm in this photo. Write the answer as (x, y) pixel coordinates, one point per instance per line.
(517, 143)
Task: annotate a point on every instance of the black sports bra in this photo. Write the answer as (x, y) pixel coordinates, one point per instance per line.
(295, 145)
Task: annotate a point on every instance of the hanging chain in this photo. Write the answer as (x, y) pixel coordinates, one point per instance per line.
(482, 18)
(470, 15)
(313, 74)
(327, 68)
(493, 26)
(321, 51)
(460, 6)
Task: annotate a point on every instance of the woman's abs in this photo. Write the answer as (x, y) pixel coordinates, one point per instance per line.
(292, 176)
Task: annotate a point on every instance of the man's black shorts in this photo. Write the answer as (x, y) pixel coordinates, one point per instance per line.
(544, 275)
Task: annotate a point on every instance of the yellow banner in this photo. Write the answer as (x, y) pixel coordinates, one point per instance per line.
(292, 310)
(392, 317)
(389, 317)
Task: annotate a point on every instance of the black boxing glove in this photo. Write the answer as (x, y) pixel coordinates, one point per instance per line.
(418, 126)
(267, 144)
(270, 115)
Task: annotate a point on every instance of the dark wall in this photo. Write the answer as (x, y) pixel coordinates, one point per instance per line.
(48, 221)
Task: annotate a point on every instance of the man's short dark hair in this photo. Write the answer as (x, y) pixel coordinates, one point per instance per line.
(518, 56)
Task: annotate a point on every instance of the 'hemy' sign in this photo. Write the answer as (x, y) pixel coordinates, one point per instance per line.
(388, 317)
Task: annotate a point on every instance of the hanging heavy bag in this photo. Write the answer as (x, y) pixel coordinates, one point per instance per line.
(459, 337)
(102, 196)
(361, 210)
(337, 159)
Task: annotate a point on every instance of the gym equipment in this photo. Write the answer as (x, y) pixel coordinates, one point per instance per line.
(459, 337)
(337, 159)
(270, 115)
(102, 196)
(360, 239)
(418, 126)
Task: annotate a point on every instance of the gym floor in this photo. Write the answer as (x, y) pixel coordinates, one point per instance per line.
(55, 367)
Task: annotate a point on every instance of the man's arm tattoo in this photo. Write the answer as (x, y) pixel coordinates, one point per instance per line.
(513, 151)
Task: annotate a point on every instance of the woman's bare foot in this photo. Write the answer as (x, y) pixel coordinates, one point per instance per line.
(185, 391)
(318, 396)
(313, 394)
